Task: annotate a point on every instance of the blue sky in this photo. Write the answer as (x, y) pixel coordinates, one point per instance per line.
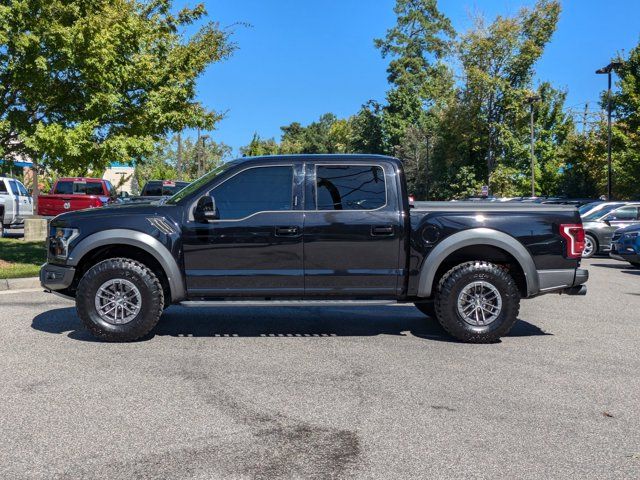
(303, 58)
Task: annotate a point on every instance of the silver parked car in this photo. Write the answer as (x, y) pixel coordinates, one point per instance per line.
(599, 227)
(598, 209)
(15, 204)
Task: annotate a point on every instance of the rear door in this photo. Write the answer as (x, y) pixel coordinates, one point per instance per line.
(352, 230)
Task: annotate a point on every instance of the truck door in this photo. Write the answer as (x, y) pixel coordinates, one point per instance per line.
(352, 230)
(26, 202)
(254, 246)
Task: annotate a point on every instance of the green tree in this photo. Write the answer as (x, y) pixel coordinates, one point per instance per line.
(84, 83)
(498, 65)
(259, 146)
(162, 163)
(626, 128)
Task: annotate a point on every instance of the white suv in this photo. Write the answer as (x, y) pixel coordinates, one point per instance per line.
(15, 204)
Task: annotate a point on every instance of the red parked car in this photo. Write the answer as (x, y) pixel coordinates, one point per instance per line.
(69, 194)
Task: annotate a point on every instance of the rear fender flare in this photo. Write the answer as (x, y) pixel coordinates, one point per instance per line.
(471, 237)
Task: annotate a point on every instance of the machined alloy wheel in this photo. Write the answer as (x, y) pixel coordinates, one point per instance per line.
(479, 303)
(118, 301)
(589, 246)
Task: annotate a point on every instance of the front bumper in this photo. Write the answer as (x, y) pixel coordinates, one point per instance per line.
(625, 251)
(56, 277)
(625, 257)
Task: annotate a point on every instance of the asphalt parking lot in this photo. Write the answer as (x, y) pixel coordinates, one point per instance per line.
(326, 393)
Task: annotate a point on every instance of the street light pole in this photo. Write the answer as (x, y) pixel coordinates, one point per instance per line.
(531, 100)
(607, 70)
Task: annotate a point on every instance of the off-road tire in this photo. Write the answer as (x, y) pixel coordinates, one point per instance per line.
(150, 291)
(449, 288)
(594, 242)
(1, 227)
(428, 308)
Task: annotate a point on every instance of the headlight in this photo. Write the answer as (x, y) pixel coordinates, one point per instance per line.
(631, 235)
(59, 240)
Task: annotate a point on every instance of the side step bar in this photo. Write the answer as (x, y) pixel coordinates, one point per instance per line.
(286, 303)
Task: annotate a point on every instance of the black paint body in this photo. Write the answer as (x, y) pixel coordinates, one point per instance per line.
(305, 253)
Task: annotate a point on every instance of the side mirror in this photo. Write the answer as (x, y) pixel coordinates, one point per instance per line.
(608, 220)
(205, 210)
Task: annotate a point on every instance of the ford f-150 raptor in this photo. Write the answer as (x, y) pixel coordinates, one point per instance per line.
(312, 230)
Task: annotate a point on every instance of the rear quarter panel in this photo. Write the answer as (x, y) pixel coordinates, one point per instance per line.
(534, 226)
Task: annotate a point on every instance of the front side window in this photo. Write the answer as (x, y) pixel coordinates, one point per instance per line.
(254, 190)
(625, 213)
(350, 187)
(23, 190)
(3, 187)
(14, 188)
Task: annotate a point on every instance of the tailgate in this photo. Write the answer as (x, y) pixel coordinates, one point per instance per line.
(52, 205)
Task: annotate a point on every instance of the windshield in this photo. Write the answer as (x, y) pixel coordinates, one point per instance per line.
(586, 208)
(199, 183)
(600, 213)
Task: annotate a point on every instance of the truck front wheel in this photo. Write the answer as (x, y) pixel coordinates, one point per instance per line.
(119, 300)
(477, 302)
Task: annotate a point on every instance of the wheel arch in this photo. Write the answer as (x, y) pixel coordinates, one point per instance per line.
(143, 242)
(484, 239)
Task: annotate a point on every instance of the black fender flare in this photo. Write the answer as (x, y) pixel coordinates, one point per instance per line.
(471, 237)
(144, 241)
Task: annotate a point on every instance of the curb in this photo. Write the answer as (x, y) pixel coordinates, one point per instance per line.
(19, 283)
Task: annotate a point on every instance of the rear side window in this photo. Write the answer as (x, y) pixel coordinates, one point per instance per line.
(259, 189)
(3, 187)
(350, 187)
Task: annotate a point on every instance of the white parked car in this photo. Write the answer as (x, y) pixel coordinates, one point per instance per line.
(15, 204)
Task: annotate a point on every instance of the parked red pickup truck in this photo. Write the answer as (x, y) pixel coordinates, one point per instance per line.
(70, 194)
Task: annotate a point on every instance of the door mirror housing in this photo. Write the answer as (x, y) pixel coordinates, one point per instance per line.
(205, 210)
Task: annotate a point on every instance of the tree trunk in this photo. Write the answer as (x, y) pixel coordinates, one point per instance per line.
(179, 165)
(36, 189)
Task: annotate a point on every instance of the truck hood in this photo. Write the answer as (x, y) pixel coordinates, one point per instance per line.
(124, 210)
(629, 229)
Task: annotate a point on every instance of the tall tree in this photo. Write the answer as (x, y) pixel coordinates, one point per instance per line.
(421, 83)
(626, 129)
(84, 83)
(498, 65)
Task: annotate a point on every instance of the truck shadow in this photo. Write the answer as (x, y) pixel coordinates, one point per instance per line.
(279, 322)
(624, 268)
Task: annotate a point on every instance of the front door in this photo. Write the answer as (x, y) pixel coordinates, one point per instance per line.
(25, 202)
(254, 247)
(352, 231)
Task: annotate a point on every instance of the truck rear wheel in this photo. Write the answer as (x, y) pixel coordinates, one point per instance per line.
(119, 300)
(477, 302)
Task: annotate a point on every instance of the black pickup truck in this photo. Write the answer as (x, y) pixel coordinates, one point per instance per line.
(312, 230)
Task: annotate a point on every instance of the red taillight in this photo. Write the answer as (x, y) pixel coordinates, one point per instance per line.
(573, 233)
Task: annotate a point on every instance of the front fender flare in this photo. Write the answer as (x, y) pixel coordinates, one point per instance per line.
(471, 237)
(141, 240)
